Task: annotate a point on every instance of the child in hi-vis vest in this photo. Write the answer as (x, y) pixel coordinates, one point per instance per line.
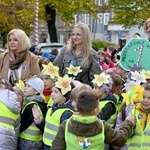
(30, 136)
(60, 110)
(86, 131)
(9, 116)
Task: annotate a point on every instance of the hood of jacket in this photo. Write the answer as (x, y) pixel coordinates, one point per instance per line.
(37, 98)
(68, 104)
(84, 126)
(110, 97)
(11, 100)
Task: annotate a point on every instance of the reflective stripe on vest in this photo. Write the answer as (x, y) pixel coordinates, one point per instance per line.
(32, 132)
(52, 123)
(74, 142)
(7, 120)
(7, 117)
(140, 140)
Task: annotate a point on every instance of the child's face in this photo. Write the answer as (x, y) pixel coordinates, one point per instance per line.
(48, 82)
(29, 91)
(101, 57)
(57, 96)
(146, 100)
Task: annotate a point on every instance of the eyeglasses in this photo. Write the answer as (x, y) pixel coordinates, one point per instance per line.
(78, 34)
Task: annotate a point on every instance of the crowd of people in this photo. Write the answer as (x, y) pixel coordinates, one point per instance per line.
(75, 99)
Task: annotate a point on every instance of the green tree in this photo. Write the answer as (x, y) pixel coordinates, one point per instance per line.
(129, 13)
(66, 10)
(21, 14)
(17, 14)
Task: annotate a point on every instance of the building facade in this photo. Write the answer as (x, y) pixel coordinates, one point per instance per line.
(100, 28)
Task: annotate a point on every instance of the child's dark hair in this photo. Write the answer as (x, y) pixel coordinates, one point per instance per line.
(54, 51)
(146, 86)
(42, 61)
(87, 101)
(7, 84)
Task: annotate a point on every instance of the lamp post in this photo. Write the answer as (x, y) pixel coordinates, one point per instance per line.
(36, 34)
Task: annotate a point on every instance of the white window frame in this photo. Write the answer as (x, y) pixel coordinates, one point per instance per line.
(100, 2)
(100, 18)
(106, 18)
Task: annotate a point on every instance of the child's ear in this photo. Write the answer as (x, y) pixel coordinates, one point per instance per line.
(95, 111)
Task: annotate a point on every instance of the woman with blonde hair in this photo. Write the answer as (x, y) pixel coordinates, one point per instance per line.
(17, 62)
(79, 52)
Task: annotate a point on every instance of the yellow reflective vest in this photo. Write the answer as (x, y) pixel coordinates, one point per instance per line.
(140, 139)
(74, 142)
(7, 117)
(32, 133)
(52, 123)
(112, 120)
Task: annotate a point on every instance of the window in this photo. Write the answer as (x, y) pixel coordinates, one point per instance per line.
(100, 18)
(99, 3)
(75, 19)
(106, 18)
(105, 1)
(87, 19)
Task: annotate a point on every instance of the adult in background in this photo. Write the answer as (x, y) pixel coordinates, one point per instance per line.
(79, 52)
(17, 62)
(147, 27)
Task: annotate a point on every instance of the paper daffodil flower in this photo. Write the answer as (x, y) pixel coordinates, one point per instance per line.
(51, 70)
(73, 70)
(64, 84)
(146, 73)
(138, 91)
(128, 85)
(138, 77)
(126, 98)
(135, 94)
(21, 85)
(100, 79)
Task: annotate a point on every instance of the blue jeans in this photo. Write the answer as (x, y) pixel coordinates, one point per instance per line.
(46, 147)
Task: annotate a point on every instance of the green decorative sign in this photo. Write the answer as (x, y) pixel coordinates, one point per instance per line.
(135, 55)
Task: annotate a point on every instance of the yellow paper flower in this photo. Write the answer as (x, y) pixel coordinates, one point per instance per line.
(64, 84)
(73, 70)
(100, 79)
(51, 70)
(138, 77)
(21, 85)
(146, 73)
(138, 91)
(126, 98)
(134, 94)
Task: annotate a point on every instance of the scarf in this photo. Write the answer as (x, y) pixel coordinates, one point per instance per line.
(47, 92)
(14, 64)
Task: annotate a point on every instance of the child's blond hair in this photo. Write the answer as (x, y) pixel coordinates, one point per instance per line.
(74, 93)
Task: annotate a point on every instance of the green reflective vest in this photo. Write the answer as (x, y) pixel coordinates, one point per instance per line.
(52, 123)
(141, 139)
(74, 142)
(112, 120)
(32, 133)
(7, 117)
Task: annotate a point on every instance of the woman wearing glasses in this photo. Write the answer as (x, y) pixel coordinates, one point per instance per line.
(79, 52)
